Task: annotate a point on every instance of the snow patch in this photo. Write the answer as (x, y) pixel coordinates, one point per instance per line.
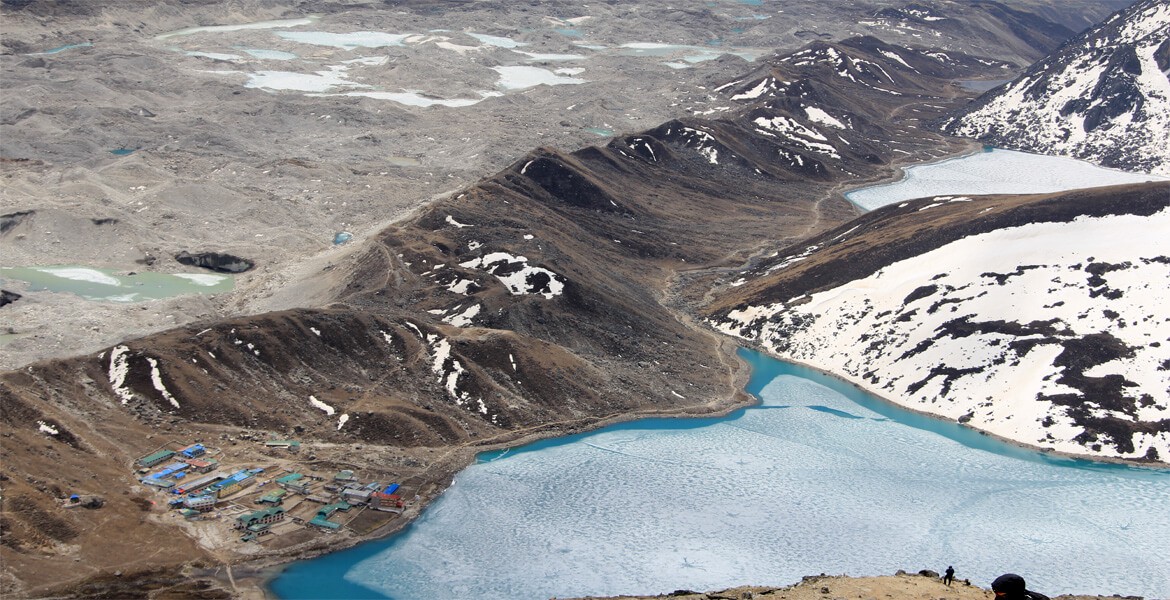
(119, 369)
(328, 410)
(156, 379)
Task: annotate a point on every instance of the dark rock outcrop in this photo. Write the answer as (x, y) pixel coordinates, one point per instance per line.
(215, 261)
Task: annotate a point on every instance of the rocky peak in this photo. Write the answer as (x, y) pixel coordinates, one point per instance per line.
(1103, 96)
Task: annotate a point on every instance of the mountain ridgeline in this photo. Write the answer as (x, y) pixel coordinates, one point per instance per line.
(1022, 316)
(1103, 96)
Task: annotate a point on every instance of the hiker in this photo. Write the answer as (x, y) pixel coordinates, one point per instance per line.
(949, 576)
(1010, 586)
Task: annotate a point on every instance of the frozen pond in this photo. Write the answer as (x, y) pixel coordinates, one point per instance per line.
(109, 286)
(239, 27)
(521, 77)
(346, 41)
(994, 172)
(692, 54)
(981, 85)
(322, 70)
(60, 49)
(819, 478)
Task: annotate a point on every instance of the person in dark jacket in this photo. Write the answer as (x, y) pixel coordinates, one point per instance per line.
(949, 576)
(1010, 586)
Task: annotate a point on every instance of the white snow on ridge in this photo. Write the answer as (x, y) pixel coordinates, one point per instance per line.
(517, 275)
(449, 378)
(702, 142)
(817, 115)
(44, 427)
(329, 410)
(894, 56)
(793, 130)
(156, 379)
(994, 375)
(1041, 112)
(464, 318)
(766, 84)
(451, 221)
(119, 368)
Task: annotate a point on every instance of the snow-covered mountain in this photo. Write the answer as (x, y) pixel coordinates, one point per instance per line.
(1103, 96)
(1039, 319)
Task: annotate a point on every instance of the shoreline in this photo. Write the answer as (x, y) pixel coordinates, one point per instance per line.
(263, 572)
(261, 578)
(1160, 465)
(967, 147)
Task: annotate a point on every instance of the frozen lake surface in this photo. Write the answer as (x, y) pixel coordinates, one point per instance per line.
(819, 478)
(994, 172)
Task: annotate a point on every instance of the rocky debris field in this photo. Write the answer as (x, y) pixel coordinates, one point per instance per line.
(130, 134)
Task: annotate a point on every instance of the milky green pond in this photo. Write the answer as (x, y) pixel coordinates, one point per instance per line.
(108, 285)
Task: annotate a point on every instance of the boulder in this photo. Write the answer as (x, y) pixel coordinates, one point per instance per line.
(215, 261)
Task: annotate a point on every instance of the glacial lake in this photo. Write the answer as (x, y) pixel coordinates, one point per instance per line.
(993, 171)
(820, 477)
(112, 286)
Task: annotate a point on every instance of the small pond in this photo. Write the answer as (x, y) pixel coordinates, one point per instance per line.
(109, 285)
(981, 85)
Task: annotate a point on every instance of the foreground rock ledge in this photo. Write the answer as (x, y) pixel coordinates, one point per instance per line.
(825, 587)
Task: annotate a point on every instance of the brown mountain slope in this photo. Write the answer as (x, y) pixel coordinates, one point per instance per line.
(534, 303)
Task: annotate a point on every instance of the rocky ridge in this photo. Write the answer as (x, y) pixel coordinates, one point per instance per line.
(1018, 315)
(1103, 96)
(532, 303)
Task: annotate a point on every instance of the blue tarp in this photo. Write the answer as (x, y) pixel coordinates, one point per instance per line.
(390, 489)
(193, 450)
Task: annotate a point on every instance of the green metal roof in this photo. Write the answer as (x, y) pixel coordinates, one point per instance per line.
(274, 496)
(157, 456)
(260, 514)
(290, 478)
(322, 522)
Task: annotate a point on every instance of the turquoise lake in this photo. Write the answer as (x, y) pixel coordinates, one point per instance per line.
(108, 285)
(819, 477)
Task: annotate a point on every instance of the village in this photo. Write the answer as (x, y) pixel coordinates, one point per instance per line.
(277, 505)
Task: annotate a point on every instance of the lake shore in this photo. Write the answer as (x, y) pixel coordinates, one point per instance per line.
(252, 578)
(265, 578)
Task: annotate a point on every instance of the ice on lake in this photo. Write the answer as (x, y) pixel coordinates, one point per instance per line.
(497, 41)
(521, 77)
(994, 172)
(237, 27)
(415, 98)
(111, 286)
(346, 41)
(809, 482)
